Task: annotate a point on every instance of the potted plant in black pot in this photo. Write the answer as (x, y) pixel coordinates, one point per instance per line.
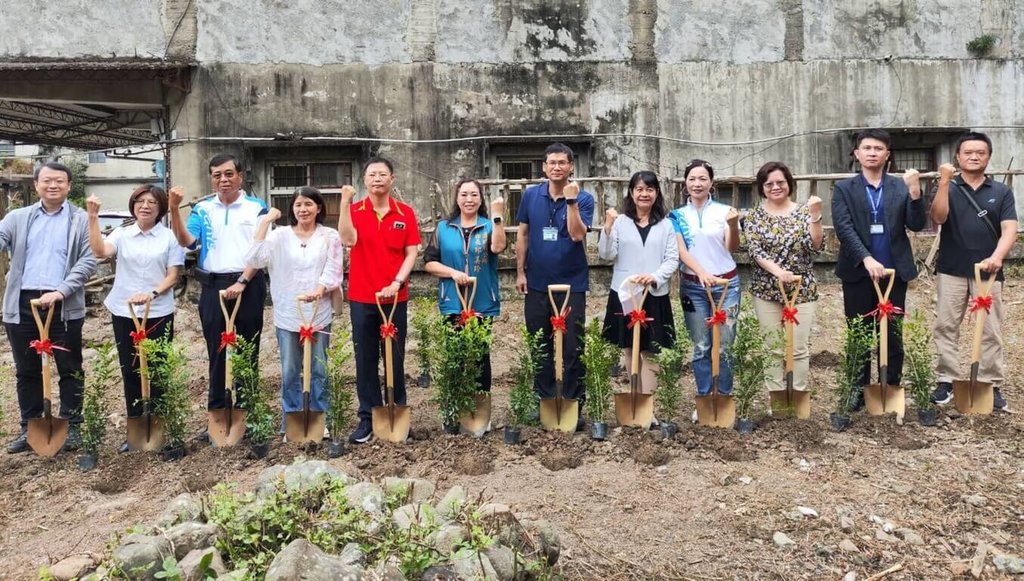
(260, 424)
(523, 401)
(858, 339)
(424, 323)
(457, 367)
(670, 363)
(598, 357)
(751, 353)
(94, 404)
(919, 372)
(168, 368)
(339, 380)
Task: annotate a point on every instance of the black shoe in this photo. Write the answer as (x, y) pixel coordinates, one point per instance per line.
(19, 444)
(998, 403)
(123, 448)
(943, 394)
(203, 437)
(857, 399)
(73, 441)
(581, 423)
(362, 434)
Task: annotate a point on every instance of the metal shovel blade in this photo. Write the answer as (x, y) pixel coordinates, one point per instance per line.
(46, 435)
(633, 408)
(973, 397)
(226, 426)
(392, 422)
(477, 421)
(791, 403)
(716, 410)
(146, 432)
(881, 399)
(559, 413)
(305, 426)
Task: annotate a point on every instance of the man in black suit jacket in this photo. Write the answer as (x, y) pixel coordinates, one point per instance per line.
(871, 213)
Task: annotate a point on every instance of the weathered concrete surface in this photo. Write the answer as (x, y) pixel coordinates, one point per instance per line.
(82, 28)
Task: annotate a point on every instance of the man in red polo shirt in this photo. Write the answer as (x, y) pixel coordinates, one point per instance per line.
(383, 236)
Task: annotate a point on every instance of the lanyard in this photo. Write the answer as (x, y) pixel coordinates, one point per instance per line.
(876, 202)
(552, 210)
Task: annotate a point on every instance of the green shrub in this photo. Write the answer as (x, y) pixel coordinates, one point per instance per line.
(858, 340)
(339, 380)
(104, 373)
(981, 46)
(424, 321)
(457, 366)
(254, 393)
(598, 357)
(668, 396)
(919, 369)
(168, 369)
(752, 353)
(523, 400)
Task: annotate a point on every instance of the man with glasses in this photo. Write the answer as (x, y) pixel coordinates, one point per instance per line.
(979, 225)
(50, 261)
(550, 249)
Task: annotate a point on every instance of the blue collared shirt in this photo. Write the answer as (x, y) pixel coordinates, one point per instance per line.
(46, 253)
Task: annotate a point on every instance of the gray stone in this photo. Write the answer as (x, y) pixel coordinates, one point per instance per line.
(410, 489)
(550, 542)
(503, 559)
(976, 500)
(404, 516)
(910, 536)
(847, 546)
(389, 570)
(846, 524)
(352, 554)
(448, 538)
(189, 566)
(885, 537)
(365, 495)
(850, 576)
(473, 565)
(449, 506)
(236, 575)
(440, 574)
(298, 476)
(72, 567)
(142, 553)
(782, 540)
(183, 508)
(1011, 564)
(302, 560)
(189, 536)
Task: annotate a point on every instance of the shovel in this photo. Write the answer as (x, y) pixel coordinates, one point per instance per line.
(477, 420)
(227, 426)
(790, 401)
(559, 413)
(390, 422)
(715, 409)
(881, 398)
(145, 432)
(46, 435)
(975, 397)
(635, 408)
(306, 426)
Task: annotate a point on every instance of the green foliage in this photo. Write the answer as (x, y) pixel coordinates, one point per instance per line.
(858, 339)
(254, 393)
(457, 365)
(919, 370)
(168, 369)
(339, 381)
(424, 322)
(169, 570)
(981, 46)
(523, 399)
(598, 357)
(668, 396)
(77, 194)
(94, 401)
(752, 353)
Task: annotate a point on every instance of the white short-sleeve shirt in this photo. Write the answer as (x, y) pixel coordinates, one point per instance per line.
(142, 262)
(708, 226)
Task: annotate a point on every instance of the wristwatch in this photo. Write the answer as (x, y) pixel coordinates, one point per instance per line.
(156, 293)
(497, 220)
(571, 201)
(242, 280)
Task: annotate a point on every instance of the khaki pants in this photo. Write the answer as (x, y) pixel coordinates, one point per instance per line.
(769, 314)
(954, 295)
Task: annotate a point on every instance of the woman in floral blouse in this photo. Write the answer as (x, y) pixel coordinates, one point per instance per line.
(782, 238)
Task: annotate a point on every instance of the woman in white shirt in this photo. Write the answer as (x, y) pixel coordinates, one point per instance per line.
(148, 261)
(711, 232)
(304, 260)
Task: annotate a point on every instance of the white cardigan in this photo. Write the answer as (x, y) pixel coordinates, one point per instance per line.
(659, 256)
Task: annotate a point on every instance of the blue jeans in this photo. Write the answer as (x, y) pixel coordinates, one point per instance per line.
(291, 372)
(696, 312)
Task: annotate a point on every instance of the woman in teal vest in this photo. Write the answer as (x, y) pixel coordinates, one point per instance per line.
(466, 245)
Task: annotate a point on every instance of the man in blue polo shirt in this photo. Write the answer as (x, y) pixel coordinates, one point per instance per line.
(550, 249)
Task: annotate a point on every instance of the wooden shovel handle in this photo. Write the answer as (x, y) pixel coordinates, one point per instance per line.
(44, 335)
(307, 348)
(140, 326)
(229, 320)
(467, 295)
(789, 301)
(389, 364)
(984, 288)
(557, 339)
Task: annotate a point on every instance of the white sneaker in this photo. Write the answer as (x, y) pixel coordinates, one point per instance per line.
(693, 416)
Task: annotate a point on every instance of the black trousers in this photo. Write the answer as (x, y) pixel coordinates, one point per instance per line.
(538, 313)
(128, 358)
(67, 354)
(484, 382)
(369, 352)
(248, 324)
(859, 299)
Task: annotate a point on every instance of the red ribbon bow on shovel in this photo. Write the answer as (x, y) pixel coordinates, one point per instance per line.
(885, 310)
(789, 315)
(388, 331)
(44, 346)
(227, 339)
(718, 318)
(978, 303)
(466, 316)
(638, 317)
(140, 335)
(558, 321)
(307, 334)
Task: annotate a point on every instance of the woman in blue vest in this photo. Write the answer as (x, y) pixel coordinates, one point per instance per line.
(466, 245)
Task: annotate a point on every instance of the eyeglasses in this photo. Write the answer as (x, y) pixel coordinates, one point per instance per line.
(146, 203)
(772, 185)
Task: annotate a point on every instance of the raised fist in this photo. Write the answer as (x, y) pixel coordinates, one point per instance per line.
(93, 205)
(175, 196)
(497, 207)
(571, 191)
(347, 194)
(273, 215)
(946, 172)
(814, 207)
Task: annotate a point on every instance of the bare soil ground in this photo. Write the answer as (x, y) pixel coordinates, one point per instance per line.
(705, 505)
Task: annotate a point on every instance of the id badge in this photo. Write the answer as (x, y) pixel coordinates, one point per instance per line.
(550, 234)
(877, 229)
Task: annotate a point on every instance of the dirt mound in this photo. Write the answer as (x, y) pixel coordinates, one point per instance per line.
(801, 435)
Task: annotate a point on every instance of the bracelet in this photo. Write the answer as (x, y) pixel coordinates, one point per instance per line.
(820, 216)
(156, 293)
(399, 281)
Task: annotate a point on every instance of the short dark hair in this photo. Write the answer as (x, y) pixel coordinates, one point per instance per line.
(873, 133)
(54, 165)
(694, 164)
(973, 136)
(313, 194)
(658, 210)
(767, 169)
(221, 159)
(378, 159)
(456, 211)
(558, 148)
(157, 192)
